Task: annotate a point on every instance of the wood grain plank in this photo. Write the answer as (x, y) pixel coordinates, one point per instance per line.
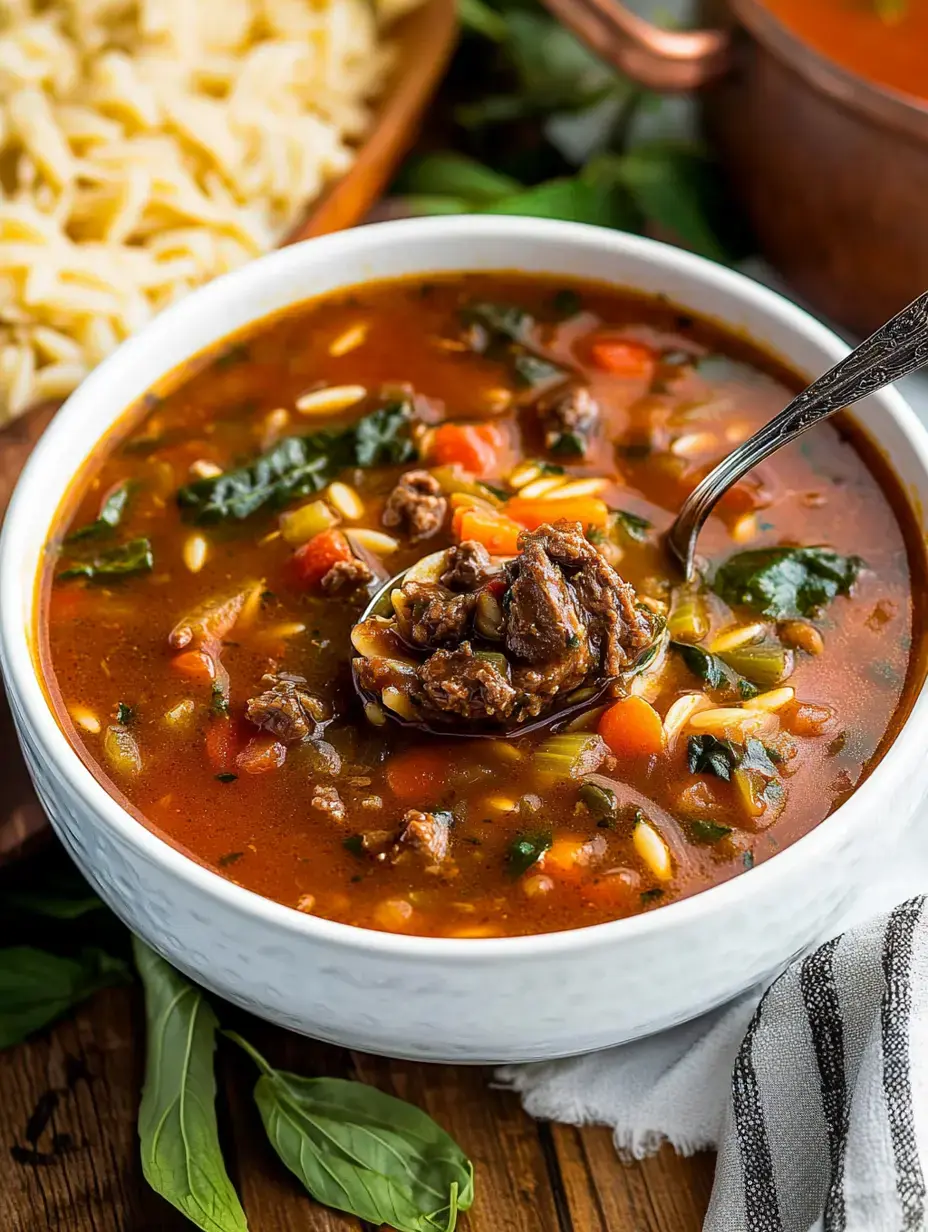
(513, 1191)
(78, 1085)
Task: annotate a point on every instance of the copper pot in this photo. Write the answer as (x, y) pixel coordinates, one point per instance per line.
(831, 169)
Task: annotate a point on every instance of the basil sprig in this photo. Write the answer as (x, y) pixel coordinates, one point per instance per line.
(181, 1156)
(362, 1151)
(37, 987)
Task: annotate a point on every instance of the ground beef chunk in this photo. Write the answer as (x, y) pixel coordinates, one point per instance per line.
(618, 628)
(460, 682)
(543, 620)
(469, 566)
(426, 834)
(346, 575)
(569, 420)
(416, 504)
(433, 616)
(286, 709)
(327, 800)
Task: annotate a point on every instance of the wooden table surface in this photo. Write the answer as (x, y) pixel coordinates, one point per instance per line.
(69, 1098)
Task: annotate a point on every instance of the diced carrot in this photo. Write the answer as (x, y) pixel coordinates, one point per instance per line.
(623, 357)
(587, 510)
(314, 559)
(261, 754)
(498, 534)
(224, 739)
(632, 728)
(416, 775)
(195, 665)
(476, 447)
(565, 859)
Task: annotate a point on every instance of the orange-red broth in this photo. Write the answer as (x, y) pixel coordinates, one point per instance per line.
(107, 644)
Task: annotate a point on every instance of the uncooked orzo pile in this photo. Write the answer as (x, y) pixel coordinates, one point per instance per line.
(149, 145)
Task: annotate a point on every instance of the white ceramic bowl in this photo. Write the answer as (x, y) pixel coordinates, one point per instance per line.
(456, 1000)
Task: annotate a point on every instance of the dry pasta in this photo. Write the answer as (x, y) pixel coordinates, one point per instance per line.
(149, 145)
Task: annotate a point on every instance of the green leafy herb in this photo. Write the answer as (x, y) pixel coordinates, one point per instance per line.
(382, 438)
(786, 582)
(135, 556)
(747, 859)
(54, 906)
(362, 1151)
(502, 322)
(229, 858)
(632, 525)
(355, 844)
(652, 895)
(37, 987)
(124, 714)
(109, 517)
(569, 445)
(226, 777)
(479, 17)
(567, 303)
(713, 671)
(532, 371)
(236, 353)
(526, 851)
(708, 755)
(703, 831)
(218, 702)
(181, 1156)
(601, 801)
(455, 175)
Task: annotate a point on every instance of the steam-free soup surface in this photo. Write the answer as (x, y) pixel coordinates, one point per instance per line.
(197, 609)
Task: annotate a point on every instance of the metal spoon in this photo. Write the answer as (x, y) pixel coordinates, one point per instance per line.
(896, 349)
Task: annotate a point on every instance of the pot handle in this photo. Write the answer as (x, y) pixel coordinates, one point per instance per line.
(664, 60)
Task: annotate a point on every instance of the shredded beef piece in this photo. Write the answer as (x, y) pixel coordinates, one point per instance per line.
(416, 503)
(346, 574)
(428, 834)
(460, 682)
(435, 617)
(572, 414)
(618, 627)
(328, 801)
(543, 620)
(469, 566)
(286, 710)
(375, 675)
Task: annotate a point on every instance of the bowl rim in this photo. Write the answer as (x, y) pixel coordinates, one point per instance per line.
(17, 656)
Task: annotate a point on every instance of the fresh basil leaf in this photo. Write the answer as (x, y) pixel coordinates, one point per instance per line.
(632, 525)
(703, 831)
(109, 517)
(417, 205)
(382, 438)
(481, 19)
(526, 851)
(455, 175)
(295, 466)
(179, 1136)
(533, 372)
(362, 1151)
(673, 184)
(786, 582)
(708, 667)
(555, 70)
(135, 556)
(37, 987)
(708, 755)
(569, 199)
(51, 905)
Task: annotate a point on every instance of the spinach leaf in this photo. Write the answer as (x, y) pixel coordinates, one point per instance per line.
(502, 322)
(181, 1157)
(632, 525)
(135, 556)
(532, 371)
(702, 831)
(709, 755)
(601, 801)
(109, 517)
(382, 438)
(526, 851)
(713, 671)
(37, 987)
(786, 582)
(362, 1151)
(455, 175)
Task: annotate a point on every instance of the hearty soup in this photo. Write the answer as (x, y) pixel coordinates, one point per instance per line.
(539, 726)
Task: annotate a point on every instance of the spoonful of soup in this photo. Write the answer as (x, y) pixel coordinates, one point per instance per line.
(896, 349)
(466, 643)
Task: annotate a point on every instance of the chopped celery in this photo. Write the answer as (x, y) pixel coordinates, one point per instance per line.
(452, 480)
(569, 755)
(765, 663)
(688, 620)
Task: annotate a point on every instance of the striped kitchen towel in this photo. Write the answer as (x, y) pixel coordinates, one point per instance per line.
(817, 1097)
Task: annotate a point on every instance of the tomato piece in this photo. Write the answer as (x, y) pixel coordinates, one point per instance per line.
(623, 357)
(416, 775)
(476, 447)
(261, 754)
(314, 559)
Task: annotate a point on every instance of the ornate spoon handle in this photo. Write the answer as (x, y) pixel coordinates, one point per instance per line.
(896, 349)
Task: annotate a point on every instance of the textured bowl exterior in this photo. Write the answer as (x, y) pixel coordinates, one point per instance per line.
(442, 999)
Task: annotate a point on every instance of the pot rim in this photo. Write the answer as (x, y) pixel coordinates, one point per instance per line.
(882, 104)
